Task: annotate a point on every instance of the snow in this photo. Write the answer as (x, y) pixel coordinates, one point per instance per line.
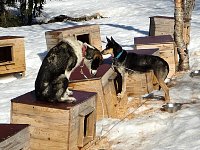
(124, 20)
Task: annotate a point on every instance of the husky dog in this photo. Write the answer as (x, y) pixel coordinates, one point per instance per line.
(52, 80)
(124, 62)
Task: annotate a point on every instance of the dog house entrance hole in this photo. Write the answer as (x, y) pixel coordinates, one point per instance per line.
(86, 127)
(83, 38)
(6, 54)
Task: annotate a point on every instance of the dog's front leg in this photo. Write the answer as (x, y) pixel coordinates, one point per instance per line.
(124, 77)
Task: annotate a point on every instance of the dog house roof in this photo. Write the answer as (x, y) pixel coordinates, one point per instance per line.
(74, 27)
(153, 39)
(144, 51)
(10, 37)
(8, 130)
(30, 99)
(163, 17)
(77, 76)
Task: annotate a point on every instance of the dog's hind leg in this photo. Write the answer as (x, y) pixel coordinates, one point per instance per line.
(60, 86)
(165, 89)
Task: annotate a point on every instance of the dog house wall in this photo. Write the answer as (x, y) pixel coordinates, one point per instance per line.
(12, 55)
(107, 102)
(163, 25)
(166, 46)
(84, 33)
(67, 126)
(14, 137)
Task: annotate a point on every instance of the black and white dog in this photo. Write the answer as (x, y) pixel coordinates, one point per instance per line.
(124, 62)
(52, 80)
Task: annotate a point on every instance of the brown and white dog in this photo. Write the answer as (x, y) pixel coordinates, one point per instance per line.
(124, 62)
(53, 77)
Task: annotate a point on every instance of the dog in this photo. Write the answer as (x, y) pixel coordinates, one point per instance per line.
(125, 63)
(52, 80)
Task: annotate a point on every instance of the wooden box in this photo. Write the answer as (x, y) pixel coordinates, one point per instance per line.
(12, 55)
(14, 137)
(85, 33)
(163, 25)
(150, 51)
(166, 47)
(103, 85)
(138, 83)
(63, 126)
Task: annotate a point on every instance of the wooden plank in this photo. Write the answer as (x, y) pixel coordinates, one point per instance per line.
(139, 84)
(50, 134)
(39, 122)
(20, 140)
(106, 77)
(87, 111)
(92, 30)
(38, 111)
(81, 132)
(38, 144)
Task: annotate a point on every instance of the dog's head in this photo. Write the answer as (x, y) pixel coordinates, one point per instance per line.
(94, 56)
(112, 47)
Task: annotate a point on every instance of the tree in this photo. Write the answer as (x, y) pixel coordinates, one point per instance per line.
(28, 9)
(182, 15)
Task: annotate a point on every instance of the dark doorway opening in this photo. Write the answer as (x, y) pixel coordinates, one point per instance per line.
(6, 54)
(83, 38)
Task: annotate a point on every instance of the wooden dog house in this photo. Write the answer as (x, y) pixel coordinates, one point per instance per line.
(63, 126)
(85, 33)
(166, 46)
(12, 55)
(163, 25)
(107, 103)
(14, 137)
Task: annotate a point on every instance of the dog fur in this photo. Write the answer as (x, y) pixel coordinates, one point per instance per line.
(124, 62)
(52, 81)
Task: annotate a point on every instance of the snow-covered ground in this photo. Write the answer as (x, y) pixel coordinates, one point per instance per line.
(125, 20)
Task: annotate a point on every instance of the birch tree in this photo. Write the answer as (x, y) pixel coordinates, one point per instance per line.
(182, 15)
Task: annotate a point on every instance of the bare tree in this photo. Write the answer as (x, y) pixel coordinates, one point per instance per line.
(182, 15)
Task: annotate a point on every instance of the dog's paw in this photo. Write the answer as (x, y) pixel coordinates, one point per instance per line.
(68, 99)
(69, 92)
(71, 100)
(120, 95)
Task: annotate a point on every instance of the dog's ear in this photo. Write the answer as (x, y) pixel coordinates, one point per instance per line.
(113, 41)
(108, 40)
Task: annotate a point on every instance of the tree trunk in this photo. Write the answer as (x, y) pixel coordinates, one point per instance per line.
(178, 36)
(189, 6)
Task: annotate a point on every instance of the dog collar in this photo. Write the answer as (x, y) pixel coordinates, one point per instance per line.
(119, 54)
(83, 51)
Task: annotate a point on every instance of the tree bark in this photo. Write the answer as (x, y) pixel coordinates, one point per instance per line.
(189, 6)
(178, 36)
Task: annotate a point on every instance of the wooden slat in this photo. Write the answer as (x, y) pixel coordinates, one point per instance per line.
(21, 140)
(38, 144)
